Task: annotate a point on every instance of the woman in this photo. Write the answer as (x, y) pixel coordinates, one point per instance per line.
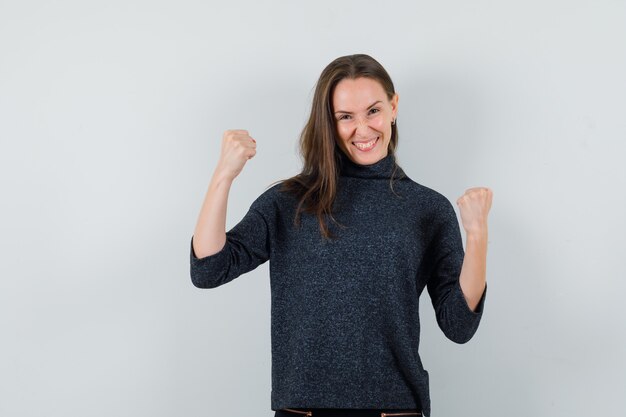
(353, 241)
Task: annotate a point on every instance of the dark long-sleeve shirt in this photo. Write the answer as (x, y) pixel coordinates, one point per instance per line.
(345, 327)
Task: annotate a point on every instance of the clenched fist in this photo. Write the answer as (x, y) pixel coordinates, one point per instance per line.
(237, 148)
(474, 206)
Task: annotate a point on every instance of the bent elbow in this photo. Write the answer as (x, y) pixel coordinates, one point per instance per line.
(207, 275)
(205, 279)
(202, 281)
(457, 331)
(460, 339)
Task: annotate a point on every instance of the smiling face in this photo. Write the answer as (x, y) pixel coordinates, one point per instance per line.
(363, 115)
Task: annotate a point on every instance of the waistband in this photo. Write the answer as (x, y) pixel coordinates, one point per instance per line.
(346, 412)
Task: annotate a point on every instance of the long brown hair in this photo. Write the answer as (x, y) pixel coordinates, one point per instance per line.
(316, 185)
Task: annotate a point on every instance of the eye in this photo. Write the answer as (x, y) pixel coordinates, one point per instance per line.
(342, 116)
(376, 110)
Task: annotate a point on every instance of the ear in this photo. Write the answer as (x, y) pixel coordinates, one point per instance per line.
(394, 105)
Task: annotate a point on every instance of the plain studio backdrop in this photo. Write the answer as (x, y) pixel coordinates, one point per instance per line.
(111, 120)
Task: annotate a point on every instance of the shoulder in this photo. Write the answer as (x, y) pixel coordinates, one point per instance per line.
(270, 200)
(427, 195)
(430, 201)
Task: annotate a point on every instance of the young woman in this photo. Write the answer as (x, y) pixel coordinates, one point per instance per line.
(352, 243)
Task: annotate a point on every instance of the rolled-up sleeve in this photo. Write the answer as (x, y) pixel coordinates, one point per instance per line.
(454, 316)
(247, 246)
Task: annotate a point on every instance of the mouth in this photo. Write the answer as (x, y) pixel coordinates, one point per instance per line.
(366, 146)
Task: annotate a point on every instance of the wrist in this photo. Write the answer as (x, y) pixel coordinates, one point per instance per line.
(221, 177)
(477, 235)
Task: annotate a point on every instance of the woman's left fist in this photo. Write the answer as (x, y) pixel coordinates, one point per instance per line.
(474, 206)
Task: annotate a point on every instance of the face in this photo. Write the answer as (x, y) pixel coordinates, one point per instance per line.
(363, 115)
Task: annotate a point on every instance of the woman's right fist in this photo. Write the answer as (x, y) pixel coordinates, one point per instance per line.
(237, 147)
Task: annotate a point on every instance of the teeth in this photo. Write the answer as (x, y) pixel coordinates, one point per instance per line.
(365, 145)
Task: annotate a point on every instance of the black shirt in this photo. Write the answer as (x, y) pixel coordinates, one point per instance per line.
(345, 324)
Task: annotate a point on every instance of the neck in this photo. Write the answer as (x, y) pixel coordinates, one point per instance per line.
(382, 169)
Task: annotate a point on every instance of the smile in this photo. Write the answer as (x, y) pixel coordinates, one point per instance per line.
(368, 146)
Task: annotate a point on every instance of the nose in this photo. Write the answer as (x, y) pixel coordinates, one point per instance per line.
(362, 128)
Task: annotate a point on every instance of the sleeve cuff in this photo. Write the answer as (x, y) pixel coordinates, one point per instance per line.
(211, 262)
(467, 311)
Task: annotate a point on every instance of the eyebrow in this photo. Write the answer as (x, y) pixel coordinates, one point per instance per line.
(347, 112)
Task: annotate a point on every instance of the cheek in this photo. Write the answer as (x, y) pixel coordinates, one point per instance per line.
(344, 131)
(378, 123)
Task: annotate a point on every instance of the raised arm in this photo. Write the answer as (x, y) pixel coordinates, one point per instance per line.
(457, 283)
(217, 256)
(210, 231)
(474, 206)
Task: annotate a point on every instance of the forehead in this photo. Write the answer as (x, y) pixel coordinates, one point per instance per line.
(358, 92)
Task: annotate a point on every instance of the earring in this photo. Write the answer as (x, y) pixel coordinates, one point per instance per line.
(393, 122)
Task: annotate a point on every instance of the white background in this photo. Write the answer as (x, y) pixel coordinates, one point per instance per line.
(111, 120)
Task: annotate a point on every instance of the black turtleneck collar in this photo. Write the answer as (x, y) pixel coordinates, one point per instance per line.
(382, 169)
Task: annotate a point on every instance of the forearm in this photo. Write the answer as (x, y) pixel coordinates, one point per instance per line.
(210, 232)
(474, 270)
